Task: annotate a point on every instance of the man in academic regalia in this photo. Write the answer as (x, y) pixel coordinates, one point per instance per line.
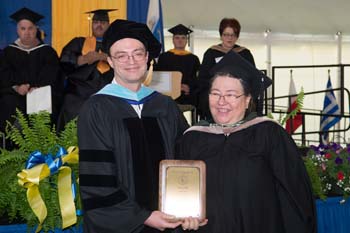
(85, 66)
(124, 131)
(179, 59)
(27, 64)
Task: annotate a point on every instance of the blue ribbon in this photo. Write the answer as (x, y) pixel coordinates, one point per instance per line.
(36, 158)
(52, 162)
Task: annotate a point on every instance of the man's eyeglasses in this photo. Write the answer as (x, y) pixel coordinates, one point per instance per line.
(227, 35)
(227, 98)
(138, 55)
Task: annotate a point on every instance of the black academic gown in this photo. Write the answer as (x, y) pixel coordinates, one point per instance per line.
(256, 179)
(210, 58)
(119, 160)
(38, 67)
(82, 81)
(188, 65)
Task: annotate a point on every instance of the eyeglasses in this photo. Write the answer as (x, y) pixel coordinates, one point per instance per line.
(228, 35)
(137, 55)
(227, 98)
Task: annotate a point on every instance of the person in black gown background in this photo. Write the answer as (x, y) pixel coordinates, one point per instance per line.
(229, 30)
(256, 178)
(85, 67)
(124, 131)
(179, 59)
(26, 64)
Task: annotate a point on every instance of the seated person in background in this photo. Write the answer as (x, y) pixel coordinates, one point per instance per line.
(27, 64)
(124, 131)
(256, 178)
(229, 30)
(85, 66)
(178, 59)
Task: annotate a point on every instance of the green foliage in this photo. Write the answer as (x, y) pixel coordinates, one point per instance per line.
(315, 179)
(283, 118)
(33, 133)
(293, 113)
(330, 164)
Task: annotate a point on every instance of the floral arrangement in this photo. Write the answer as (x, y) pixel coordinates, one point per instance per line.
(32, 174)
(329, 169)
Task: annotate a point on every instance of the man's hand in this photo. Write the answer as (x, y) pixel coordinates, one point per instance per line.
(22, 89)
(191, 223)
(185, 89)
(91, 57)
(161, 221)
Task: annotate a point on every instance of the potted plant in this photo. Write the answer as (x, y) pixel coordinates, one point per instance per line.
(39, 146)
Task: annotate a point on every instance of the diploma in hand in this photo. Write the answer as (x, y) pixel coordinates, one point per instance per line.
(182, 188)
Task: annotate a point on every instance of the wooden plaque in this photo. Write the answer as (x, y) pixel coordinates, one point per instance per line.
(182, 188)
(167, 83)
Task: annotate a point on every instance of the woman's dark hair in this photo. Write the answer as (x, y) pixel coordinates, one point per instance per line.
(247, 90)
(232, 23)
(246, 87)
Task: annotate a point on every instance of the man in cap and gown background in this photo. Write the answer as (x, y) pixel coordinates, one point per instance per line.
(26, 64)
(85, 66)
(124, 131)
(179, 59)
(256, 177)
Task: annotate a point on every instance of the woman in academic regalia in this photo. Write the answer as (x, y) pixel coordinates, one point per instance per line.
(256, 180)
(229, 30)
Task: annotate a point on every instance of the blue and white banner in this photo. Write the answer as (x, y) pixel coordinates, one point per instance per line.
(148, 12)
(330, 106)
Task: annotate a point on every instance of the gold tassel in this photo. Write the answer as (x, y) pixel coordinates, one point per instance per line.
(148, 79)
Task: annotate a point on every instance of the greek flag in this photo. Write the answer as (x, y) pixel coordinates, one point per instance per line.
(330, 106)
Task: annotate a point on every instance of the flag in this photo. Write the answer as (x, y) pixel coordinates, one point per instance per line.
(155, 20)
(293, 123)
(148, 12)
(330, 106)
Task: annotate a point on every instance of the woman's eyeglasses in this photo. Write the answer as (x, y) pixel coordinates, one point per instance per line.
(227, 35)
(227, 98)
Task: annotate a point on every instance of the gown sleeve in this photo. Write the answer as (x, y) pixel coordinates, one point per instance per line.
(107, 204)
(69, 62)
(50, 73)
(293, 186)
(246, 54)
(7, 78)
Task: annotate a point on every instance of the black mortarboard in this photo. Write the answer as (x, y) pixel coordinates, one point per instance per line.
(237, 66)
(180, 30)
(121, 29)
(100, 14)
(26, 13)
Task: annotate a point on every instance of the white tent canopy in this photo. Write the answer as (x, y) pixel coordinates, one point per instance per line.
(281, 16)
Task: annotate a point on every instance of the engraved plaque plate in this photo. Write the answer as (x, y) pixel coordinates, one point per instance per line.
(182, 188)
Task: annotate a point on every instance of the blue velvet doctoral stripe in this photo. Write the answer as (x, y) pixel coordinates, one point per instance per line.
(96, 156)
(139, 97)
(104, 201)
(97, 180)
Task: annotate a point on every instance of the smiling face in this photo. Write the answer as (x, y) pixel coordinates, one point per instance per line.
(228, 38)
(227, 101)
(128, 58)
(26, 31)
